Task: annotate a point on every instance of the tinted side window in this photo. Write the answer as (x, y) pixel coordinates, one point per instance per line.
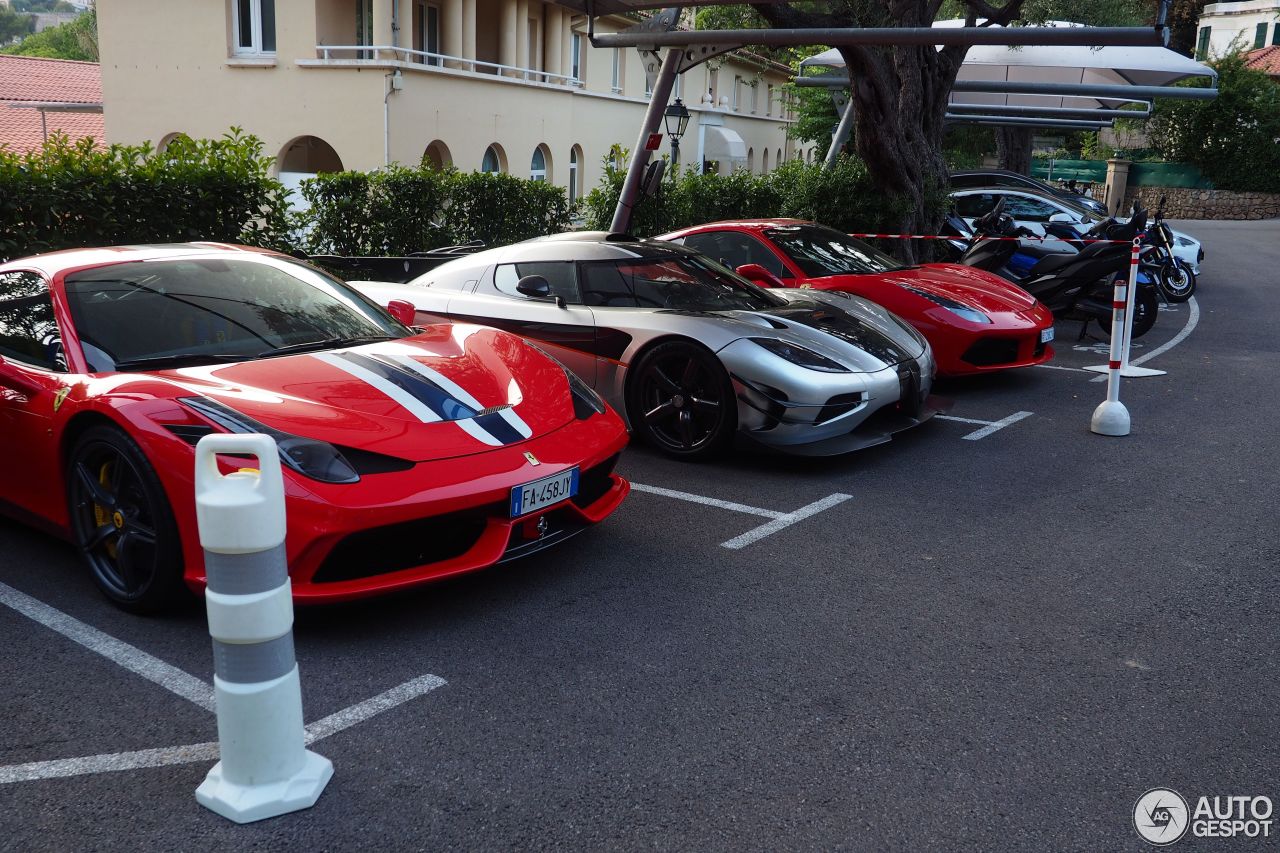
(1028, 209)
(978, 204)
(605, 285)
(734, 248)
(28, 332)
(559, 275)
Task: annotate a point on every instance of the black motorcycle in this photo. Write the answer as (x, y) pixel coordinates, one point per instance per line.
(1074, 281)
(1176, 278)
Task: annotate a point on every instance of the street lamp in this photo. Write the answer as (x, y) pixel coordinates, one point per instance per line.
(677, 119)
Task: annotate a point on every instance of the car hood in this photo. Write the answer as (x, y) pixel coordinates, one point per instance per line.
(454, 390)
(973, 287)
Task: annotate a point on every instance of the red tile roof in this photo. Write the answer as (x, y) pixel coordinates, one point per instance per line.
(1265, 59)
(30, 78)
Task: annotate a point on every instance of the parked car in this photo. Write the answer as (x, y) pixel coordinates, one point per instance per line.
(408, 455)
(1003, 178)
(691, 353)
(1032, 210)
(975, 321)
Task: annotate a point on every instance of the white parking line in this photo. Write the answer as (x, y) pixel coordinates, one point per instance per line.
(778, 520)
(699, 499)
(988, 427)
(117, 651)
(1193, 319)
(197, 752)
(1061, 367)
(784, 521)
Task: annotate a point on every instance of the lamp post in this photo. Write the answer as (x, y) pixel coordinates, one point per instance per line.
(677, 119)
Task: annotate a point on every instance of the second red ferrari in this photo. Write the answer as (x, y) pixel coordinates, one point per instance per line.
(975, 321)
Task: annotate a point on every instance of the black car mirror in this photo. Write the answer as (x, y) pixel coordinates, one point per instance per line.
(537, 287)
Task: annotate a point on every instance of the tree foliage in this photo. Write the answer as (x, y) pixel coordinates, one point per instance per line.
(14, 25)
(77, 39)
(1235, 138)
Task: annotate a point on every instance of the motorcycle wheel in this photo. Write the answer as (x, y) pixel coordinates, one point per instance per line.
(1177, 281)
(1146, 306)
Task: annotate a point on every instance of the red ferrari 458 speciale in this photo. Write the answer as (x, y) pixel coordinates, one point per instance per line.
(409, 454)
(975, 321)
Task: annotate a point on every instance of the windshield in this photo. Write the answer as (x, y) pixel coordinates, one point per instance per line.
(682, 283)
(169, 313)
(822, 251)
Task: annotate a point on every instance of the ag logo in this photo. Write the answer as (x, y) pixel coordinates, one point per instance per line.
(1161, 817)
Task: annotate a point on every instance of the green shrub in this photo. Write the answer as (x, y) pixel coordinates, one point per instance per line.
(842, 197)
(73, 194)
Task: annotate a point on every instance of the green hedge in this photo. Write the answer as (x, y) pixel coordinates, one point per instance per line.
(71, 194)
(398, 210)
(842, 197)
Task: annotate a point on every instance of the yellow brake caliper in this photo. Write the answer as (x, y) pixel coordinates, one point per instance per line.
(100, 514)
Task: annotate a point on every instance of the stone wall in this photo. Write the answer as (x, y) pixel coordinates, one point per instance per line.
(1182, 203)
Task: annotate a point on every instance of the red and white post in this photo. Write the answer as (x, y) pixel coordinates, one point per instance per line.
(1111, 417)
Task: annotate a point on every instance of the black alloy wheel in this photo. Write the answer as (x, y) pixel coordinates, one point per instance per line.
(1177, 281)
(680, 400)
(122, 523)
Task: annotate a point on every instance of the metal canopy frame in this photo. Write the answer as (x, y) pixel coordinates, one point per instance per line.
(687, 49)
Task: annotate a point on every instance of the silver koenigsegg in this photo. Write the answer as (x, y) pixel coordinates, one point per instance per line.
(688, 351)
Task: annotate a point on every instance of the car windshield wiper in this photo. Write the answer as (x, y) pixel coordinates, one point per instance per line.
(185, 359)
(327, 343)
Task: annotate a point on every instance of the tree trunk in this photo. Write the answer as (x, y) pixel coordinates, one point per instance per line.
(1013, 145)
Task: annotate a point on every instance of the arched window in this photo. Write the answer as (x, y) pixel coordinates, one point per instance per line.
(493, 161)
(437, 155)
(751, 160)
(779, 160)
(575, 172)
(764, 156)
(540, 165)
(309, 155)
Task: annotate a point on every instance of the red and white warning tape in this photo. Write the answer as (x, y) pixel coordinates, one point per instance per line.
(957, 237)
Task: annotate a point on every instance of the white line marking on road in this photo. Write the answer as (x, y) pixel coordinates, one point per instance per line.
(1061, 367)
(998, 425)
(783, 521)
(1193, 319)
(197, 752)
(699, 499)
(362, 711)
(963, 420)
(117, 651)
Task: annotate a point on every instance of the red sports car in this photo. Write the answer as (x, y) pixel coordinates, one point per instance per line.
(975, 321)
(409, 454)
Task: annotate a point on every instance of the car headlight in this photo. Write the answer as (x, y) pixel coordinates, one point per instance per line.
(1183, 241)
(586, 402)
(310, 457)
(800, 356)
(973, 315)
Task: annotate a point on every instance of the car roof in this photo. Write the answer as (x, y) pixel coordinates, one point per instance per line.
(53, 263)
(741, 225)
(1052, 198)
(566, 247)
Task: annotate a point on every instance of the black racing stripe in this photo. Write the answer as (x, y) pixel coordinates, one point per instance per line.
(497, 426)
(601, 341)
(448, 407)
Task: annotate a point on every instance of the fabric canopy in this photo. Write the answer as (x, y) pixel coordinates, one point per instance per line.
(1135, 66)
(723, 145)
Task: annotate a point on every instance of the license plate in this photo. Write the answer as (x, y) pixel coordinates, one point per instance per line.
(545, 492)
(1046, 335)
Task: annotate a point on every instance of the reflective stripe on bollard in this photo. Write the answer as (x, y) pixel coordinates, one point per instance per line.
(265, 768)
(1111, 417)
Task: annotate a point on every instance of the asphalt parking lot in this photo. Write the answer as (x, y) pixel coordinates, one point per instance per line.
(995, 632)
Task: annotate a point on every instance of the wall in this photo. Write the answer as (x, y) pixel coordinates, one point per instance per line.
(1184, 203)
(1234, 24)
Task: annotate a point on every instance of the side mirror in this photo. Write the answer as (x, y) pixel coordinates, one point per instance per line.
(403, 310)
(535, 286)
(1059, 217)
(14, 379)
(759, 275)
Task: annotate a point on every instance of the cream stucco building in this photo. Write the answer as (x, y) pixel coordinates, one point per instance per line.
(1245, 24)
(509, 85)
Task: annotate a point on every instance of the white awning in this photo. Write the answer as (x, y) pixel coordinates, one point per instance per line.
(723, 145)
(1135, 66)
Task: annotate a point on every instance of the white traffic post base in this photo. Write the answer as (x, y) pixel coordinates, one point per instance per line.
(265, 768)
(1127, 370)
(1111, 417)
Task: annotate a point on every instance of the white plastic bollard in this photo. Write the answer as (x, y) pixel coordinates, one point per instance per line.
(1111, 417)
(265, 768)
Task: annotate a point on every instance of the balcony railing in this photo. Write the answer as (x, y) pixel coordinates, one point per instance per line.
(426, 59)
